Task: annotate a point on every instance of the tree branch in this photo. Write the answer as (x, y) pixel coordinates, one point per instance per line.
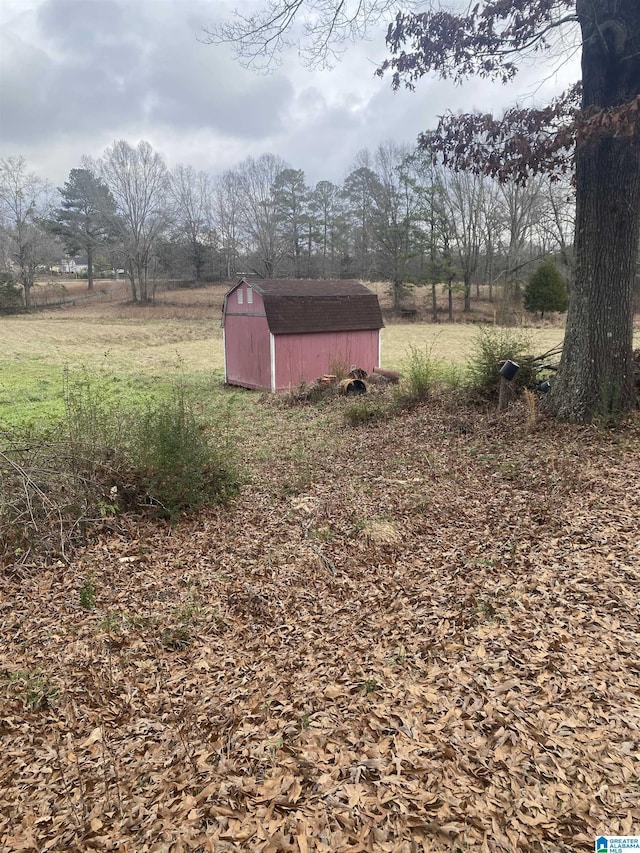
(326, 26)
(475, 44)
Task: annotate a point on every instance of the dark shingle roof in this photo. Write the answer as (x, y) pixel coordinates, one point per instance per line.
(306, 305)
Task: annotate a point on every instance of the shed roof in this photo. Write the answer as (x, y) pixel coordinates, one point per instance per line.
(318, 305)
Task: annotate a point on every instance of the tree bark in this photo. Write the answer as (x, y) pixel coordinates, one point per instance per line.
(467, 293)
(89, 268)
(396, 289)
(27, 295)
(143, 283)
(132, 280)
(595, 378)
(596, 373)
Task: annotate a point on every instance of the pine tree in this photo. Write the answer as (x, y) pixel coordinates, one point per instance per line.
(10, 295)
(85, 219)
(546, 290)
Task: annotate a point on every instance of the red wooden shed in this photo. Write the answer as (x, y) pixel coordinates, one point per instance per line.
(279, 333)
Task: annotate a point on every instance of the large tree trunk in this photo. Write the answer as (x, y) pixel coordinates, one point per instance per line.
(398, 291)
(26, 289)
(143, 283)
(132, 281)
(595, 376)
(467, 292)
(89, 268)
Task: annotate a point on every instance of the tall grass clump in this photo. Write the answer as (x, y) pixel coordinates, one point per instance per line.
(162, 451)
(420, 375)
(492, 347)
(92, 429)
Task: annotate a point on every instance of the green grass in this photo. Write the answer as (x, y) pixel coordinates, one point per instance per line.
(33, 392)
(139, 358)
(135, 357)
(30, 390)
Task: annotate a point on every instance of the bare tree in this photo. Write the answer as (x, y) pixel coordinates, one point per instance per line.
(518, 209)
(25, 202)
(259, 212)
(397, 208)
(557, 221)
(227, 215)
(192, 193)
(139, 183)
(493, 228)
(461, 201)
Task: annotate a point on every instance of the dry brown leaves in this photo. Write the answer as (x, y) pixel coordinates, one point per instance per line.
(430, 645)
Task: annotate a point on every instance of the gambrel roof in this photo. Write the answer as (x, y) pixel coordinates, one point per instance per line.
(294, 306)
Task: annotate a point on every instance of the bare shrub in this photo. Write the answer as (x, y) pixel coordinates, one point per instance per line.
(102, 460)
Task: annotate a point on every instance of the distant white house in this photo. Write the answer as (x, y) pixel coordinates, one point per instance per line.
(71, 266)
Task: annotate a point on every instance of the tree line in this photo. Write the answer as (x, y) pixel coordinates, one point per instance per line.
(397, 216)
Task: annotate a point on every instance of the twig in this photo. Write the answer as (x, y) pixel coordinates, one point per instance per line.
(107, 747)
(326, 561)
(65, 785)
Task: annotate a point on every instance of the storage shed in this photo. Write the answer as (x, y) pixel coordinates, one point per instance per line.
(279, 333)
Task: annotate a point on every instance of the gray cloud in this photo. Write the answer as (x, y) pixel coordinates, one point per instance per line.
(111, 64)
(25, 108)
(77, 74)
(66, 76)
(203, 90)
(84, 30)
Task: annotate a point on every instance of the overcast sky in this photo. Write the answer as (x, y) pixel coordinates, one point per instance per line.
(75, 75)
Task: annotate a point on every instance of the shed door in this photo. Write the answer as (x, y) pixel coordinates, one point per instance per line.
(248, 353)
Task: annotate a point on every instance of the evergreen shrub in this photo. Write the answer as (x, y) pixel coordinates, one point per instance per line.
(546, 290)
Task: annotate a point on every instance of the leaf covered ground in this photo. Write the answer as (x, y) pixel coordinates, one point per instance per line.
(421, 635)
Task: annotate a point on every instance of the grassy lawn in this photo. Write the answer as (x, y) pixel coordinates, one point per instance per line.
(139, 353)
(133, 356)
(453, 343)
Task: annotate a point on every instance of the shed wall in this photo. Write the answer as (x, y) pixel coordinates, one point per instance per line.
(232, 306)
(247, 351)
(246, 340)
(305, 357)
